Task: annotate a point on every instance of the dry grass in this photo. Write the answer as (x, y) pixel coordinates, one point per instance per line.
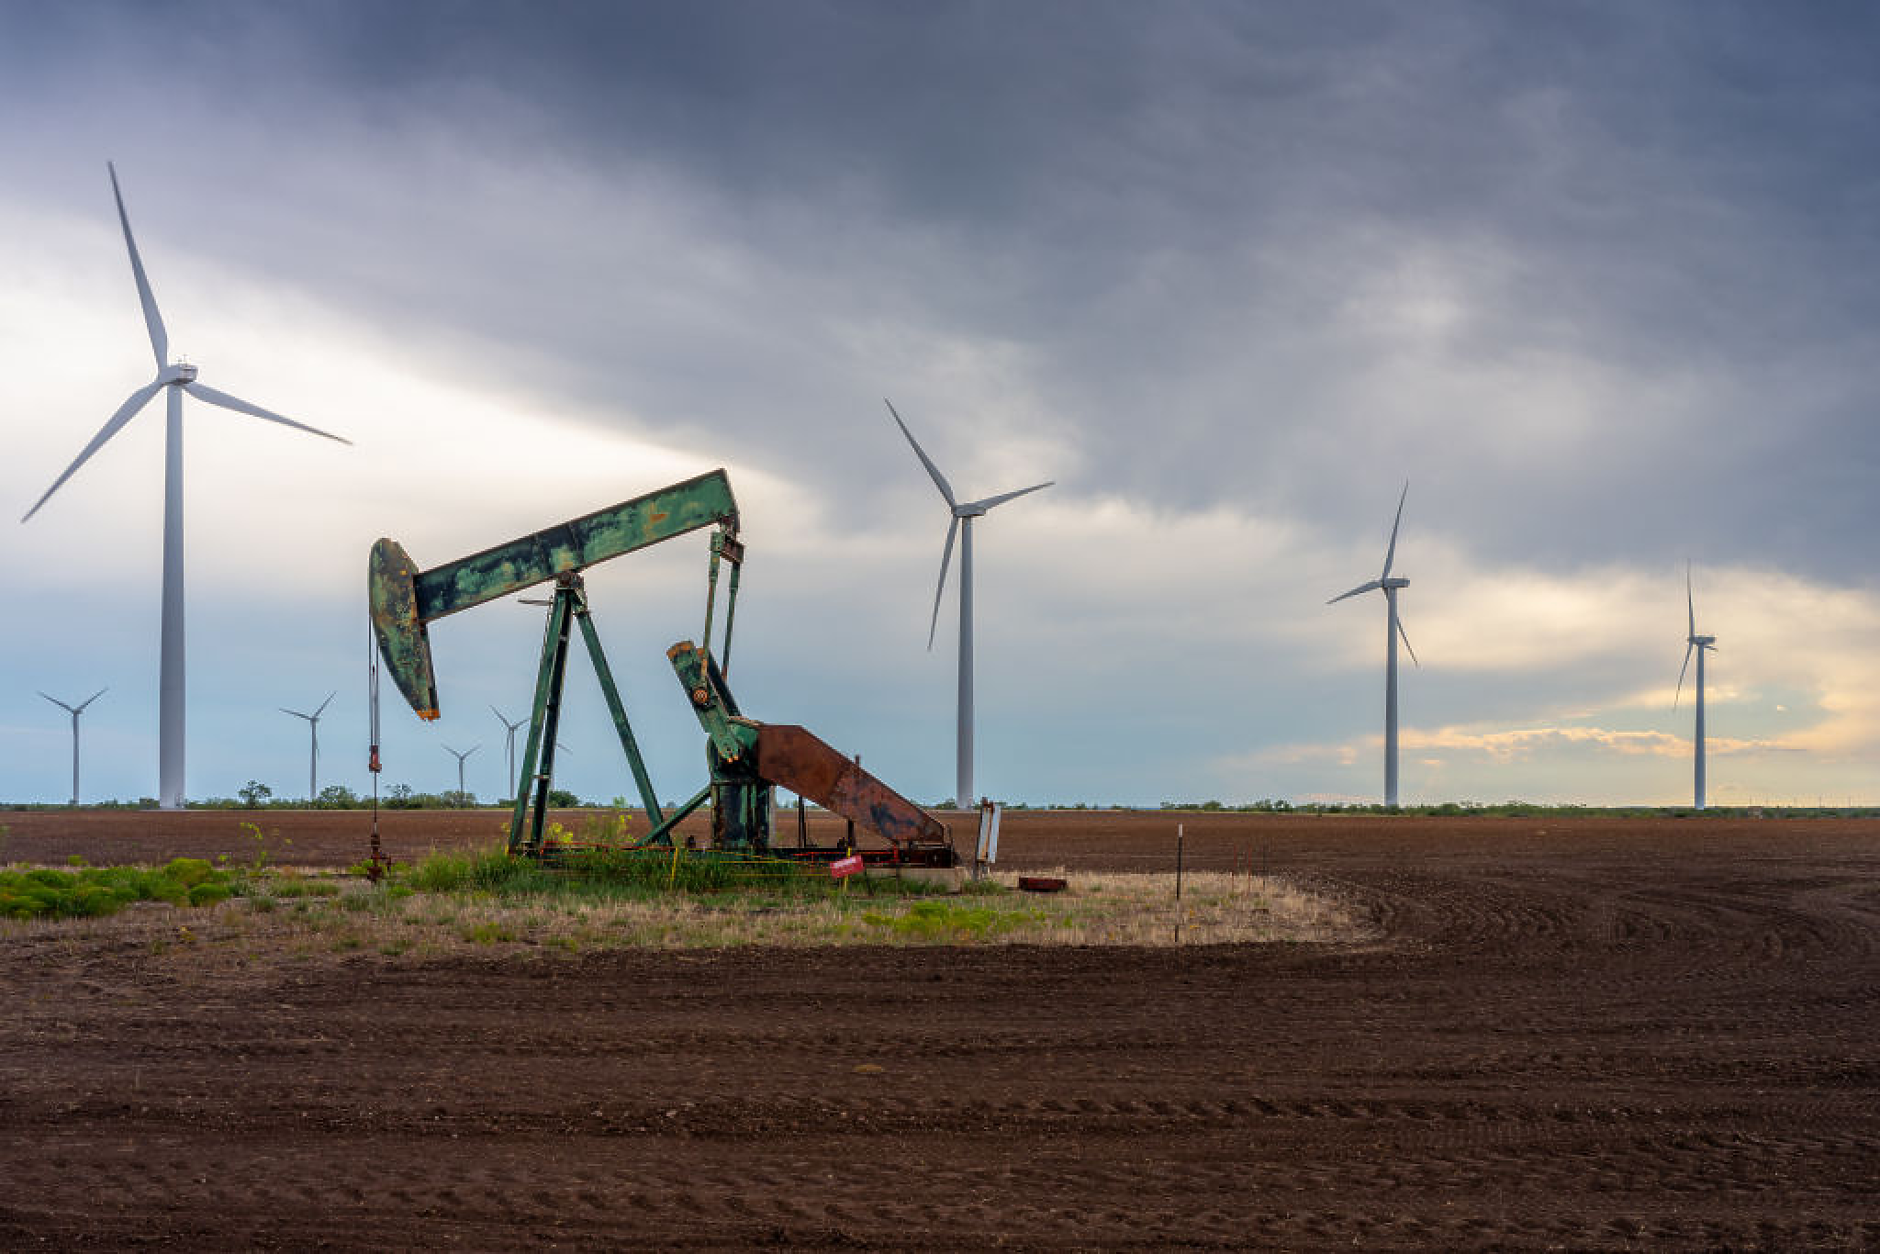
(311, 915)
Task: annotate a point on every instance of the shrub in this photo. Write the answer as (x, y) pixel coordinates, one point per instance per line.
(336, 797)
(89, 892)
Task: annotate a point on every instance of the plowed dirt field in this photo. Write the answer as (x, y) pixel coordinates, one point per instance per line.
(1584, 1033)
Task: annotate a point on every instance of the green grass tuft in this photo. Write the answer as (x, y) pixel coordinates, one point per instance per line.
(93, 892)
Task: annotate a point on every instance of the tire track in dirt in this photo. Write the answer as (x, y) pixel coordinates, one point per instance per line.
(1577, 1040)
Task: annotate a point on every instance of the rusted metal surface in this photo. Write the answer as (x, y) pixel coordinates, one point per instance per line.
(392, 593)
(796, 759)
(577, 544)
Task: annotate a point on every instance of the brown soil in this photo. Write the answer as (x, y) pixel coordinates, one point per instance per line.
(1581, 1033)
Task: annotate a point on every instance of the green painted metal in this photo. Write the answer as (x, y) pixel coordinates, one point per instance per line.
(731, 736)
(735, 551)
(547, 694)
(661, 832)
(741, 798)
(405, 599)
(569, 608)
(391, 586)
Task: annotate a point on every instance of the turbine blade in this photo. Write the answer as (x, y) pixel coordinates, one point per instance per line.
(939, 480)
(1001, 499)
(296, 713)
(329, 700)
(202, 391)
(1405, 637)
(93, 697)
(1363, 587)
(62, 705)
(1690, 601)
(1390, 554)
(1681, 670)
(126, 412)
(159, 338)
(946, 556)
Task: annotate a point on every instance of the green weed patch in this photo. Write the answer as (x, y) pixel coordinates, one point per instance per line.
(92, 892)
(638, 875)
(943, 921)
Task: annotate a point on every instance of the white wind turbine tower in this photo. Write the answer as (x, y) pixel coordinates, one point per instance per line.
(1393, 630)
(461, 790)
(961, 526)
(313, 761)
(173, 379)
(1700, 645)
(75, 711)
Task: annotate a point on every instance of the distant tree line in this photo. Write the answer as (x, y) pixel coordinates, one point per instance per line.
(255, 795)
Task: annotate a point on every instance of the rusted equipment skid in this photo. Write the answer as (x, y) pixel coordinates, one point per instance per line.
(797, 759)
(746, 759)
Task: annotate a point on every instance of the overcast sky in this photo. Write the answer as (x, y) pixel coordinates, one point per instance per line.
(1599, 281)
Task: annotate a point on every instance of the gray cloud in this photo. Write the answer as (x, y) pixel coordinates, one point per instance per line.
(1597, 278)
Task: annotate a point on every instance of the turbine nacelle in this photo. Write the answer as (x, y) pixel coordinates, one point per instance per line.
(177, 372)
(1393, 583)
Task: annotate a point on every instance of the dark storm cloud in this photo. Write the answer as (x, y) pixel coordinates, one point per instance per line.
(1645, 235)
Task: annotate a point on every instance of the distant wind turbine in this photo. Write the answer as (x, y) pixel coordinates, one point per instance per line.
(1700, 645)
(1393, 629)
(460, 757)
(313, 761)
(173, 379)
(75, 711)
(961, 526)
(509, 728)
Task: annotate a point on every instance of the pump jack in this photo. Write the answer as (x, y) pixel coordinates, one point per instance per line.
(745, 759)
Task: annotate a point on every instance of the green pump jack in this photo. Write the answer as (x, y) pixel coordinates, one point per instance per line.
(746, 760)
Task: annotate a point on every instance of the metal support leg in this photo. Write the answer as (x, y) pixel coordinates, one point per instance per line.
(711, 597)
(731, 613)
(618, 709)
(661, 832)
(543, 718)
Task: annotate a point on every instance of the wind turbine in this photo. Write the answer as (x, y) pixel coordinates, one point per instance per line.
(1694, 643)
(75, 711)
(509, 730)
(461, 790)
(962, 527)
(173, 379)
(1393, 629)
(313, 762)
